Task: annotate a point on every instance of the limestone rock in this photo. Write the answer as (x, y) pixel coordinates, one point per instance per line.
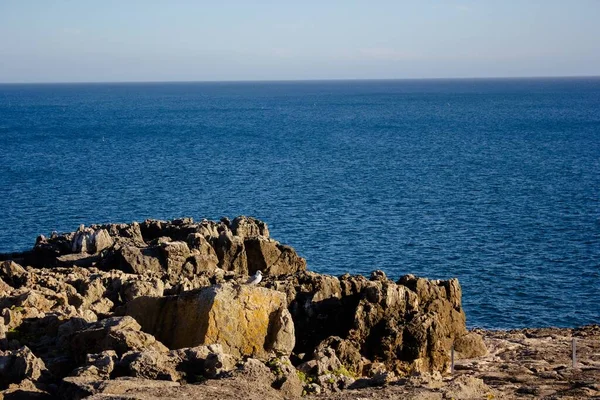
(246, 320)
(272, 258)
(98, 366)
(203, 258)
(175, 255)
(150, 365)
(231, 253)
(176, 230)
(408, 325)
(130, 234)
(16, 366)
(470, 345)
(12, 273)
(88, 240)
(247, 227)
(121, 334)
(101, 240)
(204, 362)
(135, 260)
(135, 288)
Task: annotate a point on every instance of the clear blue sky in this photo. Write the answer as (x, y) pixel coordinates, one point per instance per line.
(146, 40)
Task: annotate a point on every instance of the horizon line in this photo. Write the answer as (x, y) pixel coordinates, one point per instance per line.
(304, 80)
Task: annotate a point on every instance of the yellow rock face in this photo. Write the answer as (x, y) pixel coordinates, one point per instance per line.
(246, 320)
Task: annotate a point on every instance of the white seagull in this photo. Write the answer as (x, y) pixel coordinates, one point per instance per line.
(255, 279)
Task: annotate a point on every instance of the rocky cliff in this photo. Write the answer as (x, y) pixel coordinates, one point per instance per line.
(167, 300)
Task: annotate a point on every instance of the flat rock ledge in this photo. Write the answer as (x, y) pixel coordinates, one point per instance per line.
(162, 309)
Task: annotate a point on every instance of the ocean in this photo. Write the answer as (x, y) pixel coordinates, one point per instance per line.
(495, 182)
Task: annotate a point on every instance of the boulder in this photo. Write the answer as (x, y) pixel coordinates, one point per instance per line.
(203, 258)
(98, 366)
(175, 255)
(150, 365)
(13, 274)
(101, 240)
(16, 366)
(122, 234)
(133, 259)
(287, 379)
(247, 227)
(246, 320)
(271, 257)
(121, 334)
(470, 345)
(89, 240)
(202, 362)
(231, 253)
(134, 288)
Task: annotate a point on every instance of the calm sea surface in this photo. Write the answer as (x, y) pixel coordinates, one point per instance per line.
(496, 182)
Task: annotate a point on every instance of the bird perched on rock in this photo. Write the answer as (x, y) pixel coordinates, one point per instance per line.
(255, 279)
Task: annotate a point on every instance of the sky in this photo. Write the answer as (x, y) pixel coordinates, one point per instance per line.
(179, 40)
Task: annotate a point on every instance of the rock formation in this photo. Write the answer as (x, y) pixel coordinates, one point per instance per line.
(110, 307)
(247, 321)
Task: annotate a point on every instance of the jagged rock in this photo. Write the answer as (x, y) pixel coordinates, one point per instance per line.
(92, 290)
(231, 253)
(132, 259)
(216, 364)
(286, 377)
(246, 227)
(319, 306)
(208, 229)
(150, 365)
(272, 258)
(98, 366)
(408, 325)
(88, 240)
(121, 334)
(202, 362)
(324, 361)
(349, 324)
(45, 251)
(153, 228)
(176, 230)
(102, 306)
(25, 390)
(257, 371)
(101, 240)
(470, 345)
(346, 352)
(135, 288)
(175, 255)
(203, 258)
(122, 234)
(246, 320)
(13, 274)
(26, 304)
(16, 366)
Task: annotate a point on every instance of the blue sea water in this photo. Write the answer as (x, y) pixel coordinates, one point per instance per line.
(496, 182)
